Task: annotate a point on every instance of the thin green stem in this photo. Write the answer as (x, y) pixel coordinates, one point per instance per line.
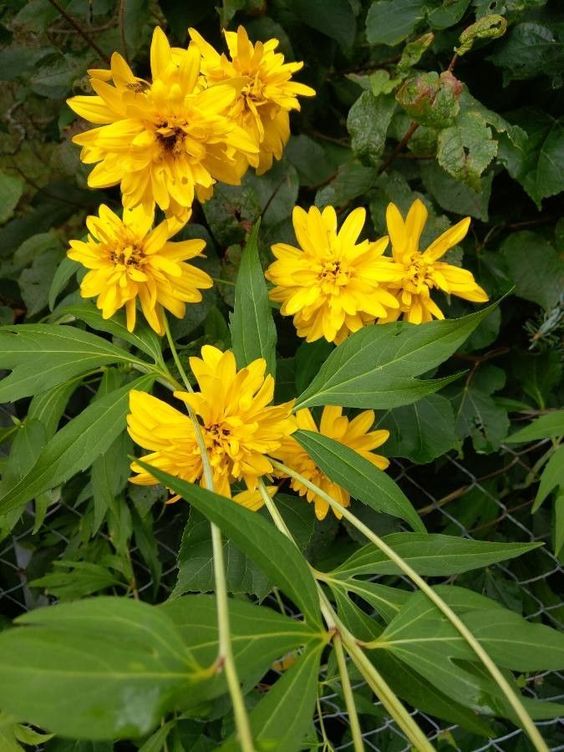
(347, 692)
(373, 678)
(510, 695)
(225, 659)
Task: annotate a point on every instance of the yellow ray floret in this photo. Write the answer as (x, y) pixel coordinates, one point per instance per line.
(332, 285)
(129, 262)
(162, 141)
(422, 271)
(266, 91)
(355, 434)
(239, 425)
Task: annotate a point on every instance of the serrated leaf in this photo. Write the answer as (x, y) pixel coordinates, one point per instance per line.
(544, 286)
(253, 333)
(44, 355)
(376, 367)
(358, 476)
(432, 555)
(261, 541)
(465, 149)
(367, 123)
(75, 446)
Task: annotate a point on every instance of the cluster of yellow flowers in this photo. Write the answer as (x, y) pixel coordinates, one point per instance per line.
(333, 286)
(204, 117)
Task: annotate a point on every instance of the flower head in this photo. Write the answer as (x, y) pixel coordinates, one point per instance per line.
(332, 284)
(128, 261)
(355, 434)
(239, 426)
(165, 140)
(267, 92)
(421, 270)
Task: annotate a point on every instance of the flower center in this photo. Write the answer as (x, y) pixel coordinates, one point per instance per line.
(171, 138)
(418, 273)
(128, 256)
(218, 435)
(332, 275)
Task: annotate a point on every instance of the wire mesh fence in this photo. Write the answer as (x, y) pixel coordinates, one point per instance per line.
(453, 498)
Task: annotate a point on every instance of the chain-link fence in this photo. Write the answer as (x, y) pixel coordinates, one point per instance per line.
(453, 497)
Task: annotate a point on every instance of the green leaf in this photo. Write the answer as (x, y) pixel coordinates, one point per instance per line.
(282, 718)
(195, 563)
(272, 551)
(259, 636)
(477, 414)
(75, 446)
(358, 476)
(391, 21)
(552, 477)
(34, 282)
(520, 250)
(44, 355)
(367, 123)
(547, 426)
(352, 180)
(65, 270)
(491, 26)
(143, 338)
(431, 555)
(422, 431)
(376, 367)
(253, 332)
(431, 99)
(454, 196)
(335, 19)
(465, 149)
(11, 190)
(49, 406)
(530, 50)
(94, 669)
(535, 156)
(422, 638)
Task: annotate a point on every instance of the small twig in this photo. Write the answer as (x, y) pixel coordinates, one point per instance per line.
(81, 31)
(399, 147)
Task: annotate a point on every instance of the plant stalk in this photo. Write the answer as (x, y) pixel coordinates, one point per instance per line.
(511, 697)
(225, 657)
(356, 732)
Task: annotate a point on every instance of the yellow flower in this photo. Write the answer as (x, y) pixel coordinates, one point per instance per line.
(239, 426)
(129, 260)
(332, 285)
(422, 271)
(355, 434)
(267, 94)
(162, 141)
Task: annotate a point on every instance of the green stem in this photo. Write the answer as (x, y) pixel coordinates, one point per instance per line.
(511, 697)
(373, 678)
(347, 692)
(225, 657)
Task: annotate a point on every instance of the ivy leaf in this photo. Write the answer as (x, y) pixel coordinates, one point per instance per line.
(253, 332)
(391, 21)
(465, 149)
(376, 367)
(534, 266)
(477, 414)
(535, 156)
(358, 476)
(422, 431)
(367, 123)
